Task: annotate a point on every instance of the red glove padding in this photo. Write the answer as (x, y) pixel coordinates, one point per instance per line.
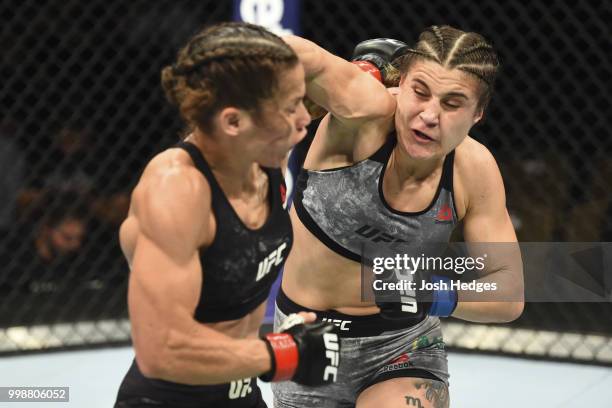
(308, 354)
(379, 52)
(369, 68)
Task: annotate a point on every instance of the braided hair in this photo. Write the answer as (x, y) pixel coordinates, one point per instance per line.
(228, 64)
(454, 49)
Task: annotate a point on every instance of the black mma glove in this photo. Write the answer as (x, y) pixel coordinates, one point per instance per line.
(375, 55)
(308, 354)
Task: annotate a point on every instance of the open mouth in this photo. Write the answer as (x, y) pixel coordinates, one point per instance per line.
(422, 137)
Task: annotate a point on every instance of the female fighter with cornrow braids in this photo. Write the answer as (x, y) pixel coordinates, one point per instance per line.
(207, 233)
(397, 167)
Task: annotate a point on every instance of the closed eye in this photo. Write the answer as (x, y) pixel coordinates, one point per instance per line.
(452, 105)
(293, 109)
(420, 93)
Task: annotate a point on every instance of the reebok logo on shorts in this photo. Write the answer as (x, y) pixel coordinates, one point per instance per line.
(399, 363)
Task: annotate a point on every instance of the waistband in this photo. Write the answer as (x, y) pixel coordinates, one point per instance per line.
(136, 386)
(349, 325)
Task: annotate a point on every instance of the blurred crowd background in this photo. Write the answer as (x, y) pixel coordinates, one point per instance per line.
(82, 111)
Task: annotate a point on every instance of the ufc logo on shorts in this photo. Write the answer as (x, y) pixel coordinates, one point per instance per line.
(333, 353)
(240, 388)
(274, 259)
(342, 324)
(407, 297)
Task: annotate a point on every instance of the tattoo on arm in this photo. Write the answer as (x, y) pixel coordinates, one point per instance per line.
(436, 392)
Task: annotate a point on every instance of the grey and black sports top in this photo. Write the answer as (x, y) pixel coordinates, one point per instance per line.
(345, 207)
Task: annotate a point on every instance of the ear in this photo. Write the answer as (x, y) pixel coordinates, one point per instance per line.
(233, 121)
(478, 116)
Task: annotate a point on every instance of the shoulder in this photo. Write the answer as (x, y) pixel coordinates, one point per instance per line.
(172, 198)
(477, 177)
(472, 157)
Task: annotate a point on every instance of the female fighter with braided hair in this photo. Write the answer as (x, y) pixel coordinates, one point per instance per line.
(394, 168)
(207, 233)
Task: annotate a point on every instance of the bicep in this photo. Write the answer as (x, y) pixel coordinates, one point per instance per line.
(487, 218)
(491, 224)
(166, 275)
(488, 228)
(162, 295)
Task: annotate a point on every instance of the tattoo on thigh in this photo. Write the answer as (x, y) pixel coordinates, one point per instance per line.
(435, 391)
(413, 402)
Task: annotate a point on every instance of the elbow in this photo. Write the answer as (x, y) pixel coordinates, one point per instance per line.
(150, 367)
(515, 308)
(154, 359)
(514, 301)
(168, 360)
(511, 311)
(154, 363)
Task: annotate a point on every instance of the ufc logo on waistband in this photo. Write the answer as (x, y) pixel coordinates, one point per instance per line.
(333, 354)
(240, 388)
(342, 324)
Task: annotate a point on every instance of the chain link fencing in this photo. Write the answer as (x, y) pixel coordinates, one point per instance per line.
(82, 111)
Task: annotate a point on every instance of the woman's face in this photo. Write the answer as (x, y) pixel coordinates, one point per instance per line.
(436, 107)
(283, 120)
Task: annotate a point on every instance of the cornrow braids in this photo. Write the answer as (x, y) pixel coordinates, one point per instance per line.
(456, 49)
(478, 47)
(228, 64)
(436, 32)
(251, 47)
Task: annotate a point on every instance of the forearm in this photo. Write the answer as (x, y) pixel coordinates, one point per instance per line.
(502, 304)
(488, 312)
(209, 357)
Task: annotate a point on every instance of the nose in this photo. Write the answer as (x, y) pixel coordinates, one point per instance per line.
(430, 115)
(303, 117)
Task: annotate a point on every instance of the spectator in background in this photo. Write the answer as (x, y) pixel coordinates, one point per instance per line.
(12, 173)
(45, 258)
(71, 167)
(55, 244)
(61, 168)
(79, 171)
